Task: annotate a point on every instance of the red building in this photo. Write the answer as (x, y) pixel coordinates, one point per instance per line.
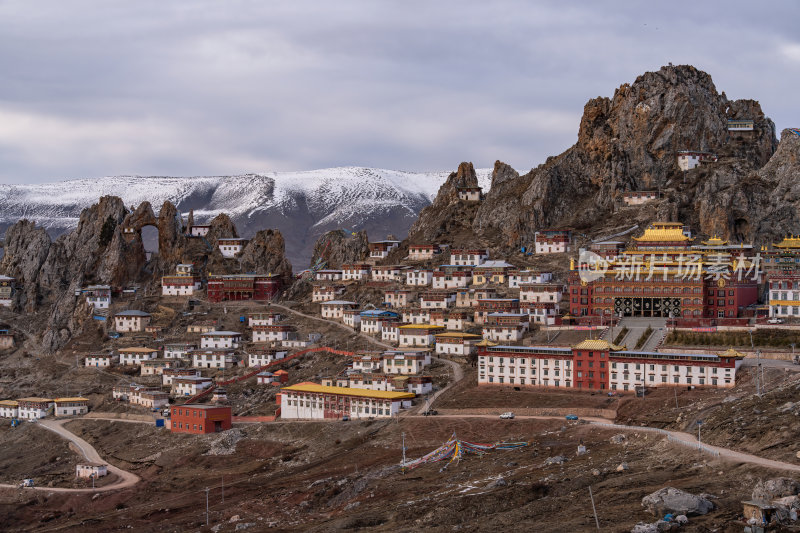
(243, 287)
(200, 419)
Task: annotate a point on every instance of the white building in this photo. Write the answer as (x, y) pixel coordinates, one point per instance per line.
(390, 332)
(417, 316)
(639, 197)
(213, 359)
(199, 230)
(466, 257)
(263, 319)
(398, 298)
(276, 333)
(134, 356)
(335, 308)
(181, 284)
(178, 350)
(541, 292)
(90, 470)
(418, 335)
(452, 280)
(169, 374)
(189, 385)
(264, 357)
(436, 300)
(221, 339)
(784, 295)
(34, 408)
(156, 367)
(101, 360)
(423, 252)
(355, 271)
(9, 409)
(420, 385)
(6, 290)
(461, 344)
(98, 296)
(517, 278)
(381, 249)
(312, 401)
(552, 241)
(231, 247)
(352, 318)
(419, 278)
(368, 363)
(328, 275)
(540, 312)
(326, 293)
(469, 194)
(131, 321)
(405, 361)
(71, 406)
(389, 273)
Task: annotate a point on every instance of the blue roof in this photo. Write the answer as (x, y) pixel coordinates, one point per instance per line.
(378, 312)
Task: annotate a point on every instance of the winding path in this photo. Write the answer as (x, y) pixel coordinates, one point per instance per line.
(125, 479)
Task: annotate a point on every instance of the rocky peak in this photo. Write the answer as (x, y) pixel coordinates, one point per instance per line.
(222, 227)
(266, 253)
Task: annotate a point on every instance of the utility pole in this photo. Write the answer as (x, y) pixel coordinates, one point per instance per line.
(594, 510)
(207, 522)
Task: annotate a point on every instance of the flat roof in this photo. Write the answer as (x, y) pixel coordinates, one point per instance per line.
(9, 403)
(203, 406)
(220, 333)
(132, 312)
(338, 302)
(75, 399)
(137, 349)
(348, 391)
(34, 399)
(456, 335)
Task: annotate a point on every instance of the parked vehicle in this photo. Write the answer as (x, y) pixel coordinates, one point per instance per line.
(775, 320)
(430, 412)
(346, 418)
(507, 416)
(571, 417)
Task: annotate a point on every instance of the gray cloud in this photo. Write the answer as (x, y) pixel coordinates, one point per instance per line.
(187, 88)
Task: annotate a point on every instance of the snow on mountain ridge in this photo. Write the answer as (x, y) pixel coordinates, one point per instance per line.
(329, 194)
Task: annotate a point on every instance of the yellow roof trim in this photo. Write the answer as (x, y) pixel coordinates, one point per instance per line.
(665, 234)
(456, 335)
(730, 352)
(790, 241)
(349, 391)
(137, 349)
(10, 403)
(76, 399)
(420, 326)
(34, 399)
(596, 344)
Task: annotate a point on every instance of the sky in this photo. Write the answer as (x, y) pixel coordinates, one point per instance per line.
(187, 88)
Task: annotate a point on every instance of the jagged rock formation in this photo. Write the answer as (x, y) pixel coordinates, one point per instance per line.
(628, 143)
(448, 217)
(266, 253)
(337, 248)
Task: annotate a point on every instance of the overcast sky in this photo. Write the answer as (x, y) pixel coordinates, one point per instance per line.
(199, 88)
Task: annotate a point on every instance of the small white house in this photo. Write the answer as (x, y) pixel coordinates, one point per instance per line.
(169, 374)
(264, 357)
(467, 257)
(452, 280)
(421, 335)
(335, 308)
(34, 408)
(437, 300)
(101, 360)
(213, 359)
(419, 277)
(368, 363)
(98, 296)
(326, 293)
(405, 362)
(131, 321)
(541, 292)
(90, 470)
(9, 409)
(276, 333)
(328, 275)
(71, 406)
(263, 319)
(381, 249)
(178, 350)
(517, 278)
(134, 356)
(355, 271)
(417, 316)
(199, 230)
(461, 344)
(352, 318)
(231, 247)
(189, 385)
(221, 339)
(423, 252)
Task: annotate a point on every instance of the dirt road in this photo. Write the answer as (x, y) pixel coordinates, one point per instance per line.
(337, 324)
(125, 479)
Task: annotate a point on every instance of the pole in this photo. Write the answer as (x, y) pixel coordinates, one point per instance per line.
(404, 453)
(223, 489)
(594, 510)
(207, 522)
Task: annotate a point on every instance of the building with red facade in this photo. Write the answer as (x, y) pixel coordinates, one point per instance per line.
(200, 419)
(243, 287)
(661, 275)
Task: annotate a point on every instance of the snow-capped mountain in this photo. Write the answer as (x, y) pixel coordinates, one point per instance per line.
(303, 205)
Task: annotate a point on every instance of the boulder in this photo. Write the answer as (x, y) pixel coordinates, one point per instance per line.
(672, 500)
(622, 467)
(557, 460)
(766, 491)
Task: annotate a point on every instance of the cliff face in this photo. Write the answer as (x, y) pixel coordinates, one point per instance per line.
(626, 143)
(337, 248)
(266, 253)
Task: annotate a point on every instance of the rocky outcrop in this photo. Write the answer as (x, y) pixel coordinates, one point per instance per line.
(337, 247)
(266, 253)
(630, 142)
(448, 219)
(26, 249)
(222, 227)
(676, 501)
(771, 489)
